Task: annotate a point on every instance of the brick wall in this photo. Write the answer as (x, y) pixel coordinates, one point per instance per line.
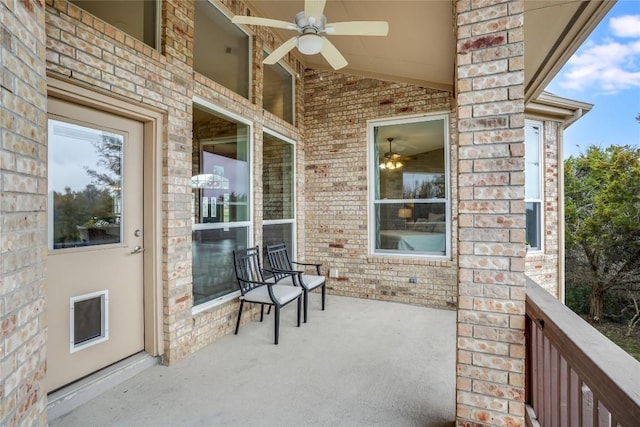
(87, 50)
(337, 194)
(490, 87)
(23, 188)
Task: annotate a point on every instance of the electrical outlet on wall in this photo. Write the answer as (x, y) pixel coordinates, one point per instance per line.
(333, 272)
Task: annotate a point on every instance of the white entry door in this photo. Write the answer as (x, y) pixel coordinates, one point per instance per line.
(94, 270)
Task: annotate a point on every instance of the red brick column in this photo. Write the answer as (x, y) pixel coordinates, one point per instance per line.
(491, 293)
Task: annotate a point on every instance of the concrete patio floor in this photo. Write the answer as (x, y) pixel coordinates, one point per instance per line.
(359, 363)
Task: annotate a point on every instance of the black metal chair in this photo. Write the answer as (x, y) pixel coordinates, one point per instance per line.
(284, 272)
(254, 288)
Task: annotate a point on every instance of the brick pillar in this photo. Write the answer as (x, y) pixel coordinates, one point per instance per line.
(491, 289)
(177, 45)
(23, 185)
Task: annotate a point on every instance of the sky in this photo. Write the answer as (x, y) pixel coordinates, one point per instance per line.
(605, 71)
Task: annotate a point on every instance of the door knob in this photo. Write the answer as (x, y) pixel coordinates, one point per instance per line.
(137, 249)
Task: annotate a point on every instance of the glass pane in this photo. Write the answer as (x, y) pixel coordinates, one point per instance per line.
(220, 195)
(278, 91)
(220, 180)
(412, 227)
(135, 17)
(421, 185)
(411, 160)
(277, 179)
(533, 225)
(213, 272)
(277, 233)
(410, 187)
(221, 50)
(532, 161)
(85, 182)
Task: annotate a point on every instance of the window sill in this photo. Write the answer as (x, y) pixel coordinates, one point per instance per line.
(430, 260)
(205, 306)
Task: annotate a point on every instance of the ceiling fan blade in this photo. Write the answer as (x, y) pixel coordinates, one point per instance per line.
(314, 8)
(266, 22)
(333, 55)
(281, 51)
(358, 28)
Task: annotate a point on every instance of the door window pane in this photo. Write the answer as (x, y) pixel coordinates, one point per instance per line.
(135, 17)
(278, 91)
(220, 197)
(220, 49)
(410, 192)
(85, 182)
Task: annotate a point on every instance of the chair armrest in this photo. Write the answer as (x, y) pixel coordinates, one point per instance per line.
(310, 264)
(275, 270)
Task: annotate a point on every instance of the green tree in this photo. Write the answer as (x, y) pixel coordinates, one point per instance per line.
(602, 219)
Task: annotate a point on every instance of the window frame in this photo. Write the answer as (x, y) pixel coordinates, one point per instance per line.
(373, 166)
(292, 220)
(541, 167)
(237, 224)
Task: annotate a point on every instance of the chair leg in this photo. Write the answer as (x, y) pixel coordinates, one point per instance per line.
(277, 321)
(239, 314)
(299, 312)
(324, 292)
(306, 303)
(262, 312)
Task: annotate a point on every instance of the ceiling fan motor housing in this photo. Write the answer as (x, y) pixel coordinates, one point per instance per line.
(311, 25)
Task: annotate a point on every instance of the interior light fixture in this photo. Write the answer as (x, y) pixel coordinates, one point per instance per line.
(391, 161)
(310, 44)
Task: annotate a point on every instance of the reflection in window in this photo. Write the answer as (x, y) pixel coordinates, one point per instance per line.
(135, 17)
(220, 49)
(278, 91)
(533, 180)
(219, 201)
(85, 182)
(278, 191)
(410, 209)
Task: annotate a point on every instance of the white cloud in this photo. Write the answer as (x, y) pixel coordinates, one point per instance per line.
(610, 66)
(626, 26)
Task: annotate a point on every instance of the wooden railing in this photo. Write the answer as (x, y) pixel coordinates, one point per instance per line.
(575, 375)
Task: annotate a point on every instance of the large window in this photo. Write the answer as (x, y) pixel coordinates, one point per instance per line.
(278, 92)
(410, 209)
(533, 183)
(220, 196)
(138, 18)
(278, 191)
(220, 49)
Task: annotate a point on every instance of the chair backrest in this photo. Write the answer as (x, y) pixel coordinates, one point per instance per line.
(278, 257)
(248, 269)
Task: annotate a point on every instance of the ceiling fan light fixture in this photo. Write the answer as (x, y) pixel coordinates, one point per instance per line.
(310, 44)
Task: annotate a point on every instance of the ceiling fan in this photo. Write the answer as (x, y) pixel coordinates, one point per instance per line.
(311, 23)
(393, 160)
